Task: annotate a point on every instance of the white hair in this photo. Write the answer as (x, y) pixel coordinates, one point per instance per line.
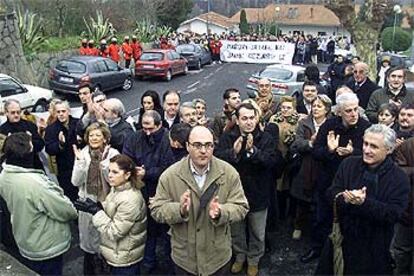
(342, 99)
(388, 133)
(116, 106)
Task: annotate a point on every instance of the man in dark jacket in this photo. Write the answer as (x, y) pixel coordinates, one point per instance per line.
(371, 194)
(253, 153)
(361, 84)
(171, 105)
(150, 149)
(59, 139)
(337, 138)
(16, 124)
(336, 72)
(304, 102)
(120, 129)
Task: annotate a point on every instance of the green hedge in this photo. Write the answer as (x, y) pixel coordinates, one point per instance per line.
(402, 39)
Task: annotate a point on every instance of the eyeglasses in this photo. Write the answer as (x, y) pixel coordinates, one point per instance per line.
(359, 71)
(199, 145)
(264, 85)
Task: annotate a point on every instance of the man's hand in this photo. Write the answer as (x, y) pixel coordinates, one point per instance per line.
(399, 141)
(238, 145)
(214, 209)
(77, 152)
(397, 103)
(333, 141)
(185, 203)
(61, 137)
(355, 197)
(345, 151)
(249, 142)
(140, 172)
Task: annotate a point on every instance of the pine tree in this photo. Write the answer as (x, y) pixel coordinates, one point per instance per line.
(244, 25)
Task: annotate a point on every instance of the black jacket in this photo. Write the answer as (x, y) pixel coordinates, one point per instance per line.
(363, 92)
(65, 156)
(331, 161)
(154, 152)
(165, 123)
(255, 170)
(23, 126)
(119, 133)
(367, 229)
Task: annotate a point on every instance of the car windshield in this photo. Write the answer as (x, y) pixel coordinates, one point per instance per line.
(152, 56)
(185, 48)
(71, 66)
(277, 74)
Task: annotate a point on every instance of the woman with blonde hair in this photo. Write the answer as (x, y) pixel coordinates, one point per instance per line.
(121, 218)
(90, 175)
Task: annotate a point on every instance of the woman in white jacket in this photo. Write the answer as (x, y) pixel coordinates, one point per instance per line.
(121, 218)
(90, 175)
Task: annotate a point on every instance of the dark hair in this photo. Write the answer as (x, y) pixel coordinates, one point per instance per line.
(248, 106)
(97, 93)
(154, 115)
(312, 73)
(407, 106)
(228, 91)
(168, 92)
(395, 68)
(180, 132)
(17, 147)
(392, 108)
(85, 86)
(155, 98)
(310, 83)
(126, 164)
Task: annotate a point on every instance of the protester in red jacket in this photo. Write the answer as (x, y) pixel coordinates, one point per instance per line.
(83, 50)
(136, 48)
(215, 49)
(113, 50)
(103, 49)
(127, 50)
(92, 50)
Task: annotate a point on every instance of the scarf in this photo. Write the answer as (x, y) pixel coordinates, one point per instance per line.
(94, 183)
(370, 176)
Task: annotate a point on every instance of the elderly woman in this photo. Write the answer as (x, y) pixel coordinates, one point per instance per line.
(121, 218)
(387, 115)
(90, 175)
(287, 121)
(150, 100)
(304, 182)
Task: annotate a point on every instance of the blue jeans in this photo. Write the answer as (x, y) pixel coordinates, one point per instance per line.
(126, 270)
(52, 266)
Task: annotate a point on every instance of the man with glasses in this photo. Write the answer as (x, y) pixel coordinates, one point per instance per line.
(150, 149)
(395, 92)
(199, 197)
(253, 154)
(361, 84)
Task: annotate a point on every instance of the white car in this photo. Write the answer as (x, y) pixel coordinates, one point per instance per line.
(30, 97)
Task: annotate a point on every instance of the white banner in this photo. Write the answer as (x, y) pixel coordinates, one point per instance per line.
(257, 51)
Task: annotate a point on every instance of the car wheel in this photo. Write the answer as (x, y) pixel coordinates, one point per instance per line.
(198, 66)
(127, 84)
(168, 76)
(185, 69)
(40, 106)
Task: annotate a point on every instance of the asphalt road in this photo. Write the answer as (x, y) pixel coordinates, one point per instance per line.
(209, 83)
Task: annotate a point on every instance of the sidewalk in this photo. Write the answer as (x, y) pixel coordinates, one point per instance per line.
(10, 266)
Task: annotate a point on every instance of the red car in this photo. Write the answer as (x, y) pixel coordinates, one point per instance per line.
(160, 63)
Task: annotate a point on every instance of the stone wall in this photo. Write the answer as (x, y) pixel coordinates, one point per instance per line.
(12, 59)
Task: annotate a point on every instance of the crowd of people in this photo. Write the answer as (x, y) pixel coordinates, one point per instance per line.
(212, 190)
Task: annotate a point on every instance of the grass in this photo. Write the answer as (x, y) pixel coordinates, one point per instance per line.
(57, 44)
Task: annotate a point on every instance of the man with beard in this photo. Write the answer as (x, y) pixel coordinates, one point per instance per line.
(59, 139)
(405, 126)
(171, 106)
(395, 93)
(225, 120)
(120, 129)
(15, 124)
(371, 193)
(253, 154)
(150, 149)
(361, 84)
(188, 114)
(337, 139)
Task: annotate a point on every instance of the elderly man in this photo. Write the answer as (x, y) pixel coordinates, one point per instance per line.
(59, 139)
(265, 99)
(171, 106)
(150, 149)
(361, 84)
(395, 93)
(120, 129)
(337, 139)
(199, 197)
(252, 152)
(188, 114)
(15, 124)
(371, 193)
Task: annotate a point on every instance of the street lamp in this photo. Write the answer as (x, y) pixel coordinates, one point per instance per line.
(397, 10)
(277, 10)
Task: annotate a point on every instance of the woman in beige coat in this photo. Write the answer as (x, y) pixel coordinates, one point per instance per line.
(122, 222)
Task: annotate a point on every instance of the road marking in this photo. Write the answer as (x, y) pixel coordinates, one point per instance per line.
(189, 91)
(208, 76)
(194, 84)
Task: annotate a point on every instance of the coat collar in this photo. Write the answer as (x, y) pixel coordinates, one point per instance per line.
(213, 175)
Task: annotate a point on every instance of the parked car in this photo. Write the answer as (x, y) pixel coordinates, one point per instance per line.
(160, 63)
(287, 80)
(30, 97)
(196, 55)
(99, 73)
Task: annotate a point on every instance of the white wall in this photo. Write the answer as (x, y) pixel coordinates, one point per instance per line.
(200, 27)
(314, 30)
